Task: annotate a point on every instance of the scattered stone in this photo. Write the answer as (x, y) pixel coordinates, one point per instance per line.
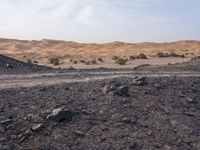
(2, 129)
(79, 133)
(35, 118)
(157, 85)
(42, 89)
(3, 139)
(9, 66)
(134, 146)
(10, 127)
(129, 120)
(7, 121)
(103, 127)
(187, 113)
(13, 137)
(25, 135)
(123, 90)
(190, 100)
(60, 114)
(5, 147)
(116, 117)
(37, 127)
(126, 120)
(141, 81)
(95, 131)
(107, 88)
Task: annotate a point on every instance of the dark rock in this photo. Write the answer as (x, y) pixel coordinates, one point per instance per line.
(157, 85)
(13, 137)
(141, 81)
(123, 90)
(7, 121)
(3, 139)
(1, 129)
(60, 114)
(79, 133)
(126, 120)
(188, 113)
(25, 135)
(5, 147)
(134, 146)
(42, 89)
(9, 66)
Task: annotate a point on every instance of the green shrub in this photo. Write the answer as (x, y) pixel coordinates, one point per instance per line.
(172, 54)
(141, 56)
(75, 62)
(161, 54)
(131, 57)
(55, 61)
(121, 61)
(100, 59)
(82, 61)
(176, 55)
(93, 62)
(35, 62)
(115, 57)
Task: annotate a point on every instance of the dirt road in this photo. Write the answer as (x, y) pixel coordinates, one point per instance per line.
(30, 80)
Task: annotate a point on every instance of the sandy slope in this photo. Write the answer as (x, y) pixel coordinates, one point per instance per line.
(42, 50)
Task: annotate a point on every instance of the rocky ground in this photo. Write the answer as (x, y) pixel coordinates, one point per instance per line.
(12, 66)
(121, 113)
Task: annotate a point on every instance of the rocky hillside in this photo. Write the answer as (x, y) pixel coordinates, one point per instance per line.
(9, 65)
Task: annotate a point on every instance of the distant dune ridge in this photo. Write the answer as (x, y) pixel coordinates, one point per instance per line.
(44, 49)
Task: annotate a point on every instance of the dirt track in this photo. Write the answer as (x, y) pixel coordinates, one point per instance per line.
(24, 80)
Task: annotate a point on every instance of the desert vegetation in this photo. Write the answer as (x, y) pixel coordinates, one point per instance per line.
(29, 61)
(100, 59)
(172, 54)
(121, 61)
(141, 56)
(55, 61)
(132, 57)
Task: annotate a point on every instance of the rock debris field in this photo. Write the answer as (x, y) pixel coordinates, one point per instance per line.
(133, 113)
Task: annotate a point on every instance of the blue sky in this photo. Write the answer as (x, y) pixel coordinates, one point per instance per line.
(101, 20)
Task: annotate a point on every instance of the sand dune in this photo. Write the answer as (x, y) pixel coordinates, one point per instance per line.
(44, 49)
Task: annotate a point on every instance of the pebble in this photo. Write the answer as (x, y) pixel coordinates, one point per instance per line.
(37, 127)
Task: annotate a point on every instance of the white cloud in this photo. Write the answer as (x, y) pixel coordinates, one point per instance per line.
(98, 20)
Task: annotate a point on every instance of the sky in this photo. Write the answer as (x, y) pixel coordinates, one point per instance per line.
(101, 21)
